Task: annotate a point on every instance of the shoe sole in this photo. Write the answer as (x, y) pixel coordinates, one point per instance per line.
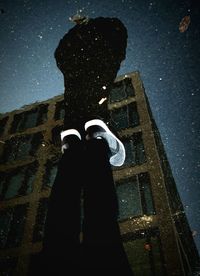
(118, 158)
(70, 132)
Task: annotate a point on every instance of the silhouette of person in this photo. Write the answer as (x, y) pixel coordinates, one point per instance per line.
(89, 56)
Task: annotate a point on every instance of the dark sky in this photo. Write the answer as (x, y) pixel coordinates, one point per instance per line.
(168, 61)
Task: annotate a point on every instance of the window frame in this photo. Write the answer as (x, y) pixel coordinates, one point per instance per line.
(138, 180)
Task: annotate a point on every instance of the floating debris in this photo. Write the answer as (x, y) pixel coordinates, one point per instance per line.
(184, 24)
(102, 101)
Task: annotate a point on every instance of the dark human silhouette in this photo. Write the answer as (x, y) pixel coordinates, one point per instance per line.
(89, 56)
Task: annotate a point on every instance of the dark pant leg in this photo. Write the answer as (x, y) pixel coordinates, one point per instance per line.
(103, 250)
(60, 254)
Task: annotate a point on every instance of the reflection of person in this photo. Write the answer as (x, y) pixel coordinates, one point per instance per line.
(89, 56)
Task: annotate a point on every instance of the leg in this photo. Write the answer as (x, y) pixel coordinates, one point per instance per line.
(62, 229)
(102, 245)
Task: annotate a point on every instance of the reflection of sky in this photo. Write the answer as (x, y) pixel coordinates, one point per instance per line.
(167, 60)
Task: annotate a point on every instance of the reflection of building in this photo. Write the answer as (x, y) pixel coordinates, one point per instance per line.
(155, 230)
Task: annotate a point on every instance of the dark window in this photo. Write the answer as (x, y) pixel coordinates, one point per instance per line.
(6, 218)
(122, 90)
(125, 117)
(60, 110)
(186, 241)
(146, 194)
(21, 147)
(18, 182)
(135, 197)
(56, 135)
(42, 117)
(135, 153)
(50, 174)
(7, 266)
(144, 252)
(40, 220)
(12, 221)
(2, 183)
(129, 199)
(2, 125)
(29, 119)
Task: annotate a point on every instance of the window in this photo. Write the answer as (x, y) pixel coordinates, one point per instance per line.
(17, 182)
(186, 242)
(135, 197)
(125, 117)
(60, 110)
(135, 153)
(56, 135)
(40, 220)
(12, 221)
(2, 181)
(129, 199)
(20, 147)
(29, 119)
(50, 174)
(7, 266)
(144, 252)
(122, 90)
(3, 124)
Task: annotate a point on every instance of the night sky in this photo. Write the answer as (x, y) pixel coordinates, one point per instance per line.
(167, 59)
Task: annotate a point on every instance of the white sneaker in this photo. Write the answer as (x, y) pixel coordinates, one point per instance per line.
(102, 131)
(66, 133)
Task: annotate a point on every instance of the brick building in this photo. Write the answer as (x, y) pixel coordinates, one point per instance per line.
(155, 231)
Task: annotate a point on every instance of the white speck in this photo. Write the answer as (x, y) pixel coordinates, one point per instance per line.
(160, 79)
(104, 87)
(102, 101)
(40, 37)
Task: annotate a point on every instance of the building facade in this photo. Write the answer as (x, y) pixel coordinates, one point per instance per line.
(154, 227)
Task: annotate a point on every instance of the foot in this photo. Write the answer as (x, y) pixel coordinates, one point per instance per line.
(68, 137)
(98, 129)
